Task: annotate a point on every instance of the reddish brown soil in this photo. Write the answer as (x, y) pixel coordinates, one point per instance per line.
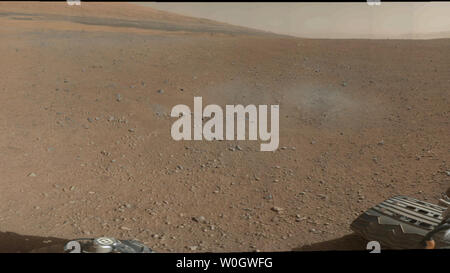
(360, 121)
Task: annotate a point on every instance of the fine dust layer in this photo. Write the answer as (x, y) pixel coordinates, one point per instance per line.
(85, 124)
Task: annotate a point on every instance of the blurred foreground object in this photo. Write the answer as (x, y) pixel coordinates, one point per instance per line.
(406, 223)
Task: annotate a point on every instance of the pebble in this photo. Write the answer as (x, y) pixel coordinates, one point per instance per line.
(200, 219)
(323, 196)
(277, 209)
(118, 97)
(268, 197)
(32, 175)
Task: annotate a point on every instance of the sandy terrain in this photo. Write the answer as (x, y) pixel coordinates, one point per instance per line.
(85, 139)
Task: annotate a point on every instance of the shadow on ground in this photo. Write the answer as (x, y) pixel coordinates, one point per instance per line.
(348, 242)
(11, 242)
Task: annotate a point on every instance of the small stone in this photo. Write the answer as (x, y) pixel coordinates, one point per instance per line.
(160, 91)
(118, 97)
(32, 175)
(200, 219)
(277, 209)
(268, 197)
(125, 228)
(193, 248)
(322, 196)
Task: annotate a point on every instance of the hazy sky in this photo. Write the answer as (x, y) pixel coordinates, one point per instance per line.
(327, 20)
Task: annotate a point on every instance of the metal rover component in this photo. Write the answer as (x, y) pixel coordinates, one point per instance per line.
(400, 223)
(106, 245)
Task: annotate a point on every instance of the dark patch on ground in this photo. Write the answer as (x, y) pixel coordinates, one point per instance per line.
(347, 242)
(15, 243)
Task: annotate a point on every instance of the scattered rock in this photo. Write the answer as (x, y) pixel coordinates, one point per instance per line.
(200, 219)
(322, 196)
(268, 197)
(277, 209)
